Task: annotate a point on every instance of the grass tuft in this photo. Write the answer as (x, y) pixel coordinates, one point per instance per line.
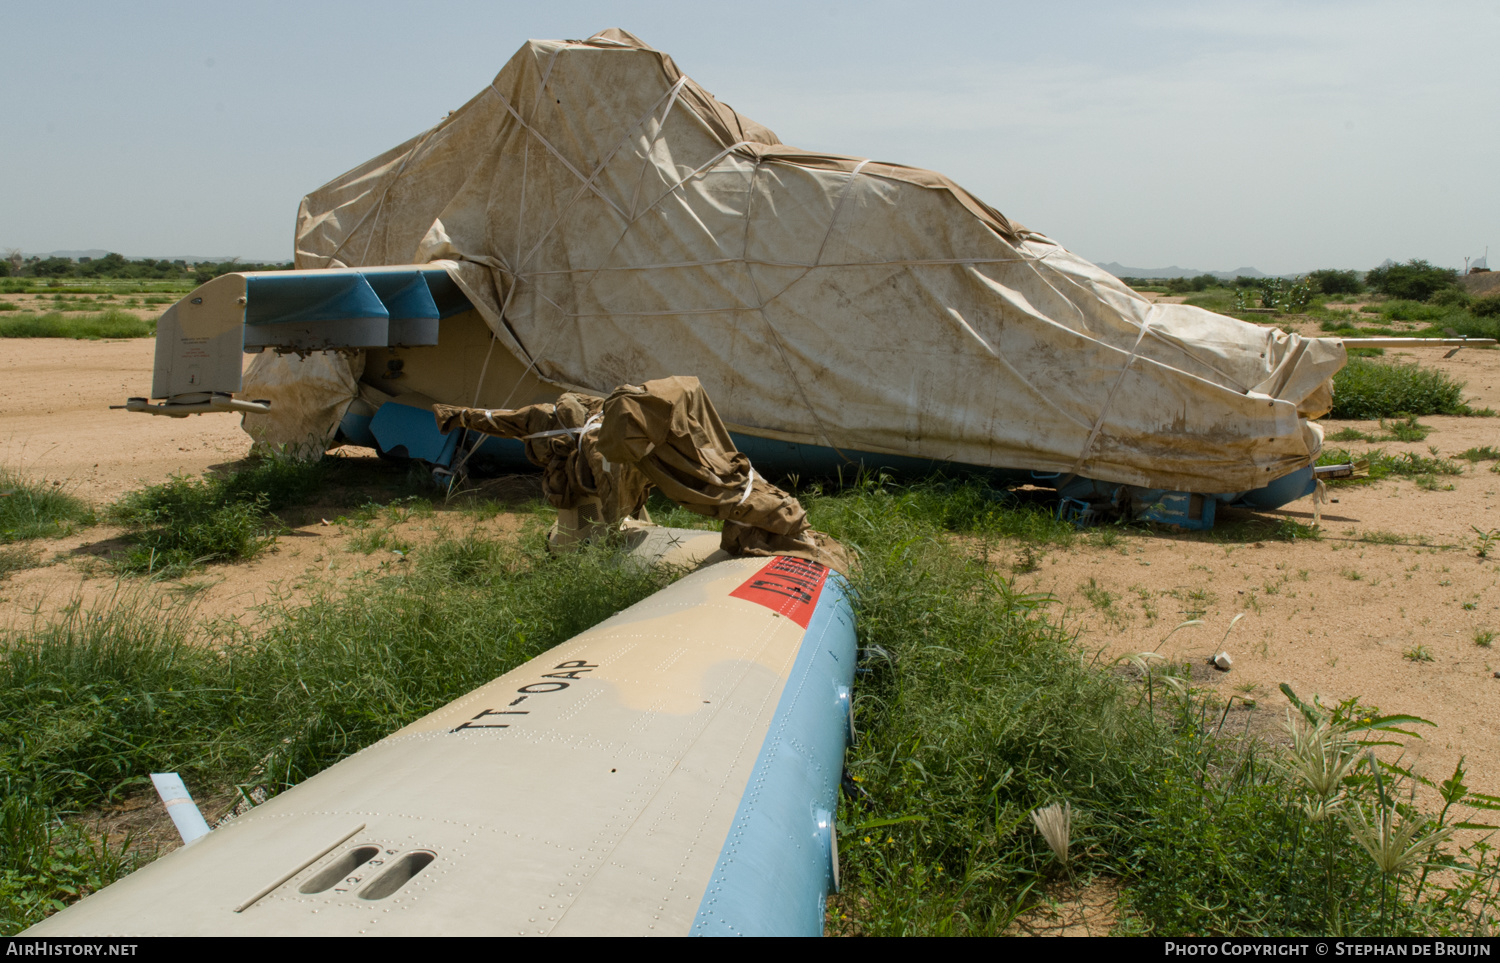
(37, 509)
(186, 522)
(976, 707)
(1407, 465)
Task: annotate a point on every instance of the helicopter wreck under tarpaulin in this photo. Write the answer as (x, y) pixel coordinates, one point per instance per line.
(611, 222)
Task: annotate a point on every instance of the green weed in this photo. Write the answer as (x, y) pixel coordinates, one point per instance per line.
(15, 559)
(1381, 465)
(1365, 390)
(111, 323)
(984, 711)
(1098, 596)
(186, 522)
(46, 863)
(37, 509)
(1408, 429)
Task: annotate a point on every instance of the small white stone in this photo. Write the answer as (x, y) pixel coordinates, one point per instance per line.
(1222, 661)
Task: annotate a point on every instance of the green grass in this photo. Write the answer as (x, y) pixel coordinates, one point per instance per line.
(111, 323)
(46, 863)
(1407, 465)
(100, 699)
(1437, 317)
(186, 522)
(17, 559)
(977, 708)
(1218, 300)
(1481, 453)
(1366, 390)
(1408, 429)
(95, 286)
(37, 509)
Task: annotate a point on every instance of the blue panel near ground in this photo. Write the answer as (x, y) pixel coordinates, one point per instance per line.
(355, 429)
(497, 455)
(773, 458)
(304, 298)
(776, 868)
(1287, 488)
(401, 429)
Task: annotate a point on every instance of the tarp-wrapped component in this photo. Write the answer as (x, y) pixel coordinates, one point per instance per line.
(600, 459)
(201, 341)
(592, 495)
(613, 223)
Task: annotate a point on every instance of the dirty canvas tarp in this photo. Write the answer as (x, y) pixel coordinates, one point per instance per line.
(317, 386)
(615, 223)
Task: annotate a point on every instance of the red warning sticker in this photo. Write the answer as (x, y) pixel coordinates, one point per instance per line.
(787, 585)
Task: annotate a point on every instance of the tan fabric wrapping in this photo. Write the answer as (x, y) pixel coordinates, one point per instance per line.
(664, 433)
(573, 470)
(669, 429)
(615, 223)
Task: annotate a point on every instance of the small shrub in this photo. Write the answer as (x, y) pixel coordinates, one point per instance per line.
(188, 522)
(1486, 307)
(1279, 294)
(1451, 297)
(1415, 280)
(1329, 281)
(1365, 390)
(1481, 453)
(1419, 653)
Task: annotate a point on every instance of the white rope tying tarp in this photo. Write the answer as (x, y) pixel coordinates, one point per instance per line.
(589, 425)
(776, 335)
(762, 262)
(381, 202)
(660, 110)
(1088, 445)
(749, 484)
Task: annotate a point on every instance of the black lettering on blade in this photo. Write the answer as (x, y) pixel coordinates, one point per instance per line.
(532, 688)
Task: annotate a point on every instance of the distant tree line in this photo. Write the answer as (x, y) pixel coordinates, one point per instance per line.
(1416, 280)
(118, 266)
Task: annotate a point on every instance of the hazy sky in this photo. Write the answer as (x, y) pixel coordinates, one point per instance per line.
(1214, 136)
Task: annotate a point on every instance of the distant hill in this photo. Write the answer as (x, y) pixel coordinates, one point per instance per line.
(1121, 271)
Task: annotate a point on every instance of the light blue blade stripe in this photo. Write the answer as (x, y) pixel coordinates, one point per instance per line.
(775, 870)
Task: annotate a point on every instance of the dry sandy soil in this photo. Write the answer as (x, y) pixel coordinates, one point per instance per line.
(1392, 605)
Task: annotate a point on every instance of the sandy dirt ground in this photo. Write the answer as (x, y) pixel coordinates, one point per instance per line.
(1392, 604)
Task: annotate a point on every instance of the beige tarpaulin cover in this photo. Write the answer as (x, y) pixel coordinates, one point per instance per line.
(664, 433)
(317, 387)
(615, 223)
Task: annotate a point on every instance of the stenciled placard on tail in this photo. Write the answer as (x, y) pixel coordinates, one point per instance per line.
(787, 585)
